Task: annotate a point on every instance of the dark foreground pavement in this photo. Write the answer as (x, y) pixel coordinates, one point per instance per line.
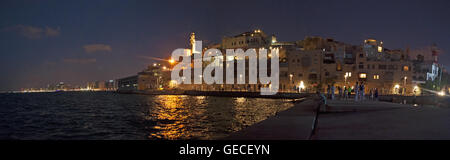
(350, 120)
(382, 121)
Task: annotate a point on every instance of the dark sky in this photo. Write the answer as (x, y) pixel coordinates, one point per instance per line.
(44, 42)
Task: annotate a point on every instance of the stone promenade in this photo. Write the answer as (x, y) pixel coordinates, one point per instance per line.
(350, 120)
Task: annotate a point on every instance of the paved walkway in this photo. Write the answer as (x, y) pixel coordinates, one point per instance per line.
(382, 120)
(353, 120)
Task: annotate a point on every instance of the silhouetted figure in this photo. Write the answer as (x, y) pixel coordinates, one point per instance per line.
(356, 91)
(328, 91)
(332, 92)
(349, 92)
(376, 94)
(361, 91)
(322, 100)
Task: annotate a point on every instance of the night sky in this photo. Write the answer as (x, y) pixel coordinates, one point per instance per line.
(45, 42)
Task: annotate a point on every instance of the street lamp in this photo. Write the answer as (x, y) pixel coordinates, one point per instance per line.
(301, 86)
(290, 83)
(171, 61)
(404, 85)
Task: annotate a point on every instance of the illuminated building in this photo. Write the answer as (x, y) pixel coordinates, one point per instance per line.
(312, 63)
(128, 83)
(154, 77)
(252, 39)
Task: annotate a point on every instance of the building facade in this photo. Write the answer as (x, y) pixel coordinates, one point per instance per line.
(313, 64)
(154, 77)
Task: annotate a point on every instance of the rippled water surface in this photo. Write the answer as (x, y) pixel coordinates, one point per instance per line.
(106, 115)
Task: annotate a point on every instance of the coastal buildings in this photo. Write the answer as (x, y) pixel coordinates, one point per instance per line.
(128, 83)
(109, 85)
(154, 77)
(339, 64)
(312, 64)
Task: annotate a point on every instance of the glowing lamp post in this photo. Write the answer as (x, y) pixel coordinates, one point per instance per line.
(301, 87)
(171, 61)
(290, 79)
(404, 84)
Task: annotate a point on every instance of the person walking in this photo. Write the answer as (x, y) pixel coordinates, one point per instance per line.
(332, 91)
(349, 92)
(371, 94)
(356, 89)
(376, 94)
(362, 91)
(323, 100)
(328, 91)
(344, 92)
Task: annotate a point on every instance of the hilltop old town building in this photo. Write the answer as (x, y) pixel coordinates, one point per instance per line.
(310, 64)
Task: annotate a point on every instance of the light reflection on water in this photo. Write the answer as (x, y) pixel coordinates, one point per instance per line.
(200, 117)
(105, 115)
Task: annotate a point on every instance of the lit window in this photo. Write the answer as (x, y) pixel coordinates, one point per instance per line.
(376, 76)
(380, 49)
(362, 75)
(348, 74)
(338, 67)
(405, 68)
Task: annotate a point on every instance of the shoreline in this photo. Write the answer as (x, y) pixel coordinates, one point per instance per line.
(221, 94)
(418, 100)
